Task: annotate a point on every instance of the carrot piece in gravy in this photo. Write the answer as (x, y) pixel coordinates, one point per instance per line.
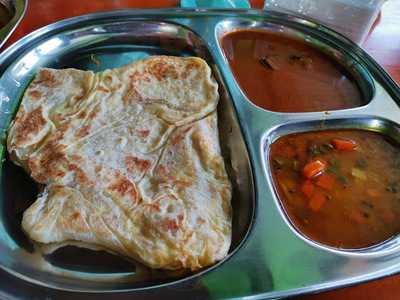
(308, 188)
(314, 168)
(373, 193)
(387, 216)
(326, 181)
(357, 217)
(317, 201)
(344, 145)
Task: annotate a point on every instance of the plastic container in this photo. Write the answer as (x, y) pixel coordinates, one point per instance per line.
(215, 3)
(352, 18)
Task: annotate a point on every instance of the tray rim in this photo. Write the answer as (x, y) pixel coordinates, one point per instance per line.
(146, 14)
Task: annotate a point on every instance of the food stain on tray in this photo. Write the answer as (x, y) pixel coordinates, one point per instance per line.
(130, 159)
(282, 74)
(339, 187)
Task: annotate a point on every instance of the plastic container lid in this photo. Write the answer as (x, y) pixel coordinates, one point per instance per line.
(352, 18)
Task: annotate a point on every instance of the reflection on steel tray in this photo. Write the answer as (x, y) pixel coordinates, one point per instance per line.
(16, 10)
(268, 258)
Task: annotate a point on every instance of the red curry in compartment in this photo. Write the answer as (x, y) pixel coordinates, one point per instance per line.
(286, 75)
(339, 187)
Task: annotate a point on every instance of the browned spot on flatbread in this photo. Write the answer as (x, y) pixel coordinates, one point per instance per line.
(75, 157)
(29, 124)
(46, 78)
(108, 79)
(116, 87)
(93, 114)
(132, 96)
(80, 174)
(154, 205)
(20, 115)
(60, 174)
(161, 171)
(57, 118)
(102, 89)
(79, 97)
(181, 183)
(76, 215)
(124, 187)
(63, 127)
(82, 114)
(47, 165)
(143, 133)
(200, 221)
(180, 219)
(160, 69)
(135, 75)
(188, 69)
(32, 166)
(98, 169)
(170, 225)
(177, 138)
(34, 94)
(83, 131)
(57, 189)
(138, 76)
(136, 164)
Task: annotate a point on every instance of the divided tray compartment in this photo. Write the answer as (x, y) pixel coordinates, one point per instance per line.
(342, 57)
(385, 128)
(268, 258)
(108, 45)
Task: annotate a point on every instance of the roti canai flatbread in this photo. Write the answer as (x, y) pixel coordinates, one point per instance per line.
(130, 160)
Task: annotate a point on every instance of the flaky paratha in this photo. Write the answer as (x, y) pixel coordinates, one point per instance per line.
(130, 160)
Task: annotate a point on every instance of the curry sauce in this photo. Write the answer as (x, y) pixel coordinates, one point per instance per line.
(340, 187)
(286, 75)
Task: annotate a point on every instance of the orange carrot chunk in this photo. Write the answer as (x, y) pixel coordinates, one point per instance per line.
(314, 168)
(326, 181)
(357, 217)
(387, 216)
(373, 193)
(307, 188)
(317, 201)
(343, 145)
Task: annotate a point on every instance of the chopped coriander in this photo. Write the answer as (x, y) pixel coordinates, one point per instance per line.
(314, 150)
(325, 148)
(279, 162)
(296, 165)
(333, 166)
(361, 163)
(343, 180)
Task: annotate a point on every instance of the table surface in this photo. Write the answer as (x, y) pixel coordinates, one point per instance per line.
(383, 43)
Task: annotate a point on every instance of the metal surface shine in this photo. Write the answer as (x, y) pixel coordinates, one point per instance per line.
(17, 10)
(272, 260)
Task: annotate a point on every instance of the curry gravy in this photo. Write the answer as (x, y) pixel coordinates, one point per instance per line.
(286, 75)
(339, 187)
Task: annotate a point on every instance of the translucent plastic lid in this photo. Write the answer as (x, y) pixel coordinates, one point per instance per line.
(352, 18)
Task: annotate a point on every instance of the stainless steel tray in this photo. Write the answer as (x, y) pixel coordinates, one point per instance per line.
(17, 10)
(268, 258)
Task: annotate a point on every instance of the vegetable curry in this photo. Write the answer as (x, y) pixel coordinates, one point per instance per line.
(286, 75)
(339, 187)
